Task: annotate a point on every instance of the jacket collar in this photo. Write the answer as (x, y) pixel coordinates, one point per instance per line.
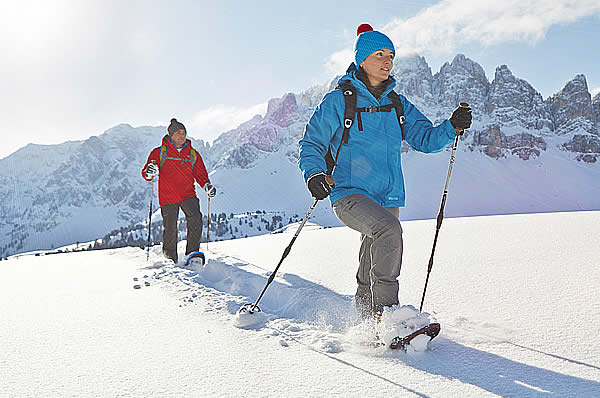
(356, 82)
(167, 141)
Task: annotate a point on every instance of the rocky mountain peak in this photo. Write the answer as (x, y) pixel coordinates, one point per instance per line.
(576, 90)
(579, 82)
(503, 73)
(462, 80)
(514, 102)
(596, 110)
(282, 111)
(242, 146)
(465, 66)
(572, 107)
(411, 63)
(414, 79)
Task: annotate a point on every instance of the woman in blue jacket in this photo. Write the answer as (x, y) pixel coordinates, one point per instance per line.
(369, 187)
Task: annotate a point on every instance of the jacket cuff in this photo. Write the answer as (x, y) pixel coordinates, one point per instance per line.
(314, 175)
(311, 174)
(450, 130)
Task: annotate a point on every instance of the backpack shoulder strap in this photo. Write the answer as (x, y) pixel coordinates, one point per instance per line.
(397, 105)
(163, 155)
(349, 107)
(349, 112)
(193, 156)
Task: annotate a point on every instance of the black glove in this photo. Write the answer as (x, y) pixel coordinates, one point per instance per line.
(461, 118)
(318, 187)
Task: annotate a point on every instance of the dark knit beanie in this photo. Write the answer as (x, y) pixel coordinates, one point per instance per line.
(175, 126)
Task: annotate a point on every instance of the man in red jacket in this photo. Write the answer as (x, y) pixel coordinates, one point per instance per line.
(180, 165)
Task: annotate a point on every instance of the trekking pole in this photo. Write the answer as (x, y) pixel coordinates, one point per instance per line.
(250, 308)
(440, 216)
(150, 218)
(208, 224)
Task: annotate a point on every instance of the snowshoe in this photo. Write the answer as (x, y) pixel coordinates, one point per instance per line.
(401, 343)
(196, 259)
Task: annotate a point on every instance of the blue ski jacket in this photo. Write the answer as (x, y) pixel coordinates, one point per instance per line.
(370, 163)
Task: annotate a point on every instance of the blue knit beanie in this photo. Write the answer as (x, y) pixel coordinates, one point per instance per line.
(369, 41)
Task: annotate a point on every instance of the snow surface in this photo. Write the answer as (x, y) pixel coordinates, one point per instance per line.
(517, 297)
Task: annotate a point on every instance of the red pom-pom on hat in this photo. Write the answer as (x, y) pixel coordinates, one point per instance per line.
(365, 27)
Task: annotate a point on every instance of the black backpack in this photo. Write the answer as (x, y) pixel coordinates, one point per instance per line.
(350, 110)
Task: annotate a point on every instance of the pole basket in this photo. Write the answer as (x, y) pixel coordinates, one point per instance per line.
(249, 308)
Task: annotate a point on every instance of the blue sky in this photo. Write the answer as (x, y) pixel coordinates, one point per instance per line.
(73, 69)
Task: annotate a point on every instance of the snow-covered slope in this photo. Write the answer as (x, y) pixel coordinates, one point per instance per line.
(517, 311)
(522, 154)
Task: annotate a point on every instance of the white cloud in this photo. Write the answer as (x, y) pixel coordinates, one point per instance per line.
(441, 28)
(209, 123)
(339, 61)
(595, 91)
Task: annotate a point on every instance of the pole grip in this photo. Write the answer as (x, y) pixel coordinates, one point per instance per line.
(329, 180)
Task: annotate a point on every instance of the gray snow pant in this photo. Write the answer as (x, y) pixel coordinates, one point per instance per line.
(193, 217)
(380, 255)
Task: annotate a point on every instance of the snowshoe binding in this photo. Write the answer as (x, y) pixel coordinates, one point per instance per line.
(196, 259)
(400, 343)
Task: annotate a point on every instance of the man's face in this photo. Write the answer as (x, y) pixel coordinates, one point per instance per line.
(178, 138)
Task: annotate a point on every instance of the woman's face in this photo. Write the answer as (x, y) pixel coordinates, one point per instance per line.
(378, 66)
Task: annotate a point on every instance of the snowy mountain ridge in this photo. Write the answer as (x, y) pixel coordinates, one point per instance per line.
(542, 153)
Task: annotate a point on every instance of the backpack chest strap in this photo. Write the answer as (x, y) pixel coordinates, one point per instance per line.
(163, 156)
(371, 109)
(178, 159)
(351, 111)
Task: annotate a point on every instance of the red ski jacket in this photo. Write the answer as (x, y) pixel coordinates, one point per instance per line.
(177, 173)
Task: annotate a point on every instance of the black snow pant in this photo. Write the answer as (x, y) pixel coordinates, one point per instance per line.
(170, 215)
